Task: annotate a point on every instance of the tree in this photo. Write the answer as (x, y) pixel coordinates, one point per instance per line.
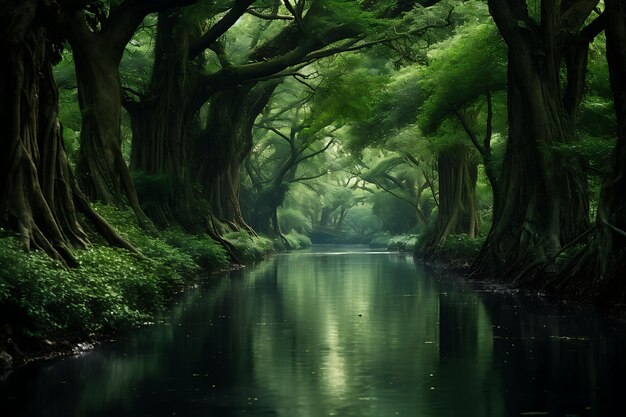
(180, 86)
(542, 200)
(39, 198)
(598, 271)
(298, 143)
(98, 40)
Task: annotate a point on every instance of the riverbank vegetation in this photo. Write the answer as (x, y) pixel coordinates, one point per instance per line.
(146, 142)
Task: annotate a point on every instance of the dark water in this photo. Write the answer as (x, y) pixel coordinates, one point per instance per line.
(341, 332)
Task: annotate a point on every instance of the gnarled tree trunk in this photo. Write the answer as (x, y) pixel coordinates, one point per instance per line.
(599, 270)
(101, 169)
(542, 196)
(37, 190)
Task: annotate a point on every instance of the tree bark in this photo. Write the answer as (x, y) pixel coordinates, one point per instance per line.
(160, 125)
(458, 210)
(101, 168)
(225, 143)
(597, 273)
(38, 194)
(542, 196)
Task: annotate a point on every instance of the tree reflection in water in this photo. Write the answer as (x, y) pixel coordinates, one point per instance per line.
(346, 334)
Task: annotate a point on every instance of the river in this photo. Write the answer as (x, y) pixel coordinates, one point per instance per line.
(341, 331)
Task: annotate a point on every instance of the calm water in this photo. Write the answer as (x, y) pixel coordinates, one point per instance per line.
(343, 332)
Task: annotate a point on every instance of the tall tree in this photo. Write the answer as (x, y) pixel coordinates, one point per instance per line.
(598, 271)
(180, 86)
(543, 200)
(98, 40)
(39, 198)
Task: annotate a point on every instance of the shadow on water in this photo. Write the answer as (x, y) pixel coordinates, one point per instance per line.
(345, 332)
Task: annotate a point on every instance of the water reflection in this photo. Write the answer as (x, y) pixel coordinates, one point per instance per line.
(346, 334)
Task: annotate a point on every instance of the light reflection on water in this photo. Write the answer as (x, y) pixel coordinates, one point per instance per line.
(345, 332)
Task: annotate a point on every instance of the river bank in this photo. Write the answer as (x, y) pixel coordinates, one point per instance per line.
(48, 310)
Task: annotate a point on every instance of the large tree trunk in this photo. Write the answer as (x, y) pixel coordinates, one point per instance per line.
(160, 123)
(223, 146)
(599, 271)
(37, 191)
(458, 211)
(101, 168)
(542, 196)
(217, 155)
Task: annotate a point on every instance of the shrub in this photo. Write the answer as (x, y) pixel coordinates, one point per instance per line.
(249, 248)
(380, 240)
(298, 241)
(406, 243)
(290, 219)
(206, 252)
(460, 250)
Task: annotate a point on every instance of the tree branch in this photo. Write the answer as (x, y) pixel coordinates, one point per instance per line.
(469, 131)
(266, 16)
(311, 155)
(278, 132)
(239, 8)
(312, 177)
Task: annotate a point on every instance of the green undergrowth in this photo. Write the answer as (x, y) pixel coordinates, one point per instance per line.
(380, 240)
(173, 246)
(297, 240)
(404, 243)
(112, 289)
(458, 251)
(249, 248)
(206, 252)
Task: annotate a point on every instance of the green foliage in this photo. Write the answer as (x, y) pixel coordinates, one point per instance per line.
(406, 243)
(291, 219)
(152, 189)
(348, 92)
(111, 290)
(348, 14)
(206, 252)
(174, 262)
(298, 241)
(594, 151)
(462, 69)
(249, 248)
(380, 240)
(459, 251)
(397, 215)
